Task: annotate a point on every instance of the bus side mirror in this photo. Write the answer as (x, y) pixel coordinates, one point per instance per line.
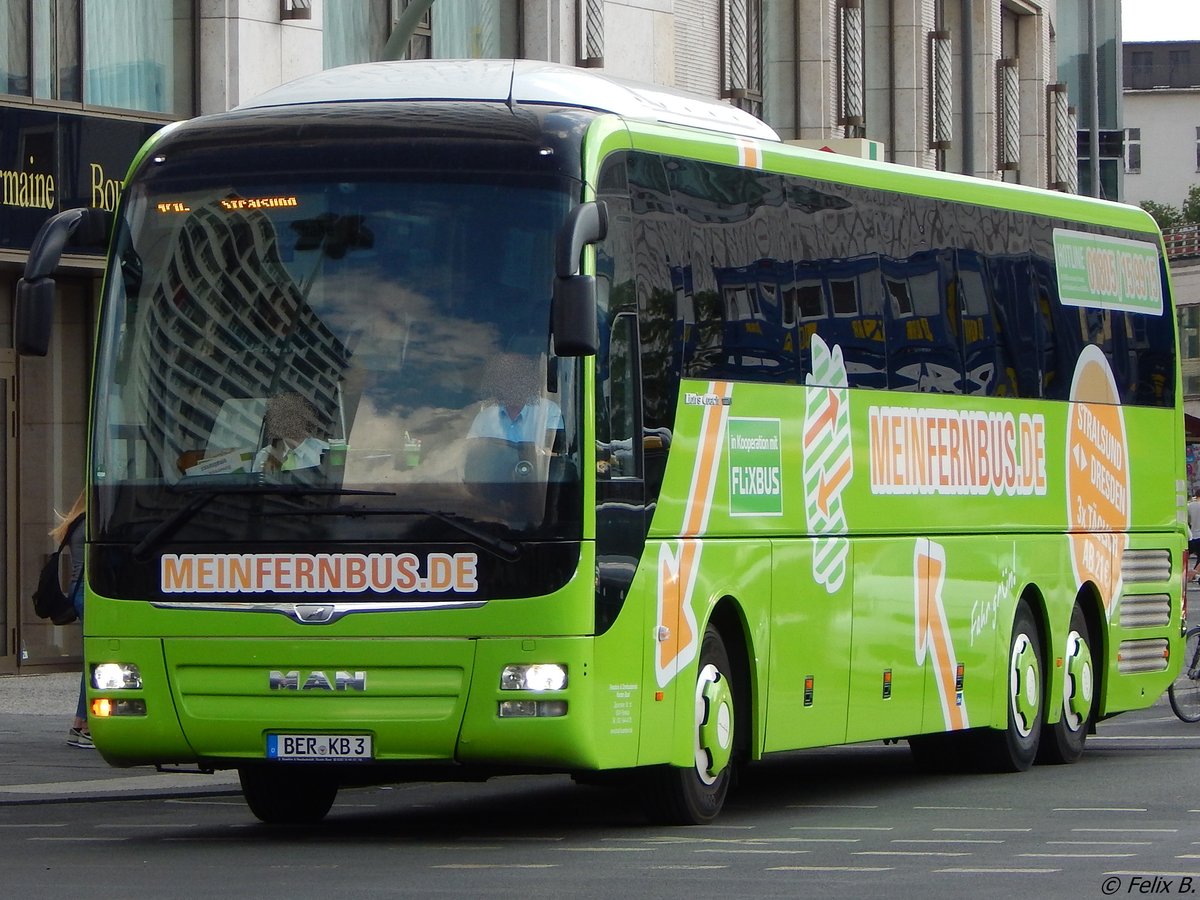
(573, 316)
(33, 316)
(35, 289)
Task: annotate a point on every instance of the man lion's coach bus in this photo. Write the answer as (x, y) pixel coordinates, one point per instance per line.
(454, 419)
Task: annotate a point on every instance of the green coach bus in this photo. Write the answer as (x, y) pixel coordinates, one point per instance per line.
(455, 419)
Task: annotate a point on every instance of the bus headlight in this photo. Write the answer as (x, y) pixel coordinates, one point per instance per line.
(116, 677)
(533, 677)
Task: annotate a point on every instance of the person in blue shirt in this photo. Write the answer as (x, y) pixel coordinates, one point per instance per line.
(516, 414)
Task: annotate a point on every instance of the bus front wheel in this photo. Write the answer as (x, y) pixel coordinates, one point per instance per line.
(694, 795)
(1013, 748)
(280, 795)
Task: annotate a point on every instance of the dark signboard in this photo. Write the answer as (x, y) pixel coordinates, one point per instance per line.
(51, 161)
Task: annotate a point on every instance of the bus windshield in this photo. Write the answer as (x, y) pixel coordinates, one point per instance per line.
(289, 357)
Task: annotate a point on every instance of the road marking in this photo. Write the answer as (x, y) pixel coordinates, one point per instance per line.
(1078, 855)
(1182, 738)
(496, 866)
(966, 808)
(1002, 871)
(911, 853)
(158, 782)
(1128, 830)
(1150, 874)
(830, 868)
(610, 849)
(842, 828)
(946, 841)
(828, 806)
(987, 830)
(1102, 843)
(673, 839)
(745, 850)
(80, 839)
(1131, 809)
(685, 868)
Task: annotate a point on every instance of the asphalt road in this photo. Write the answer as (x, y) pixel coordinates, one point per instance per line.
(849, 822)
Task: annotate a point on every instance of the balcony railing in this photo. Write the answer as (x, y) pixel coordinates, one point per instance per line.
(1182, 241)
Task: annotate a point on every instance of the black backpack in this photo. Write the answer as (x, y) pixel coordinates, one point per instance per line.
(49, 601)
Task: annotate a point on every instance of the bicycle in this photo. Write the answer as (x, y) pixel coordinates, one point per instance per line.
(1184, 692)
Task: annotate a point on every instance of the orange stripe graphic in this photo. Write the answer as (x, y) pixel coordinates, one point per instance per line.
(933, 630)
(677, 572)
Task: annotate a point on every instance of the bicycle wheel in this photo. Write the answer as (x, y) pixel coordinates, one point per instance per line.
(1184, 692)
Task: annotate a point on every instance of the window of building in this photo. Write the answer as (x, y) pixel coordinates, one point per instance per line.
(1133, 151)
(1198, 148)
(1189, 348)
(741, 59)
(449, 29)
(137, 54)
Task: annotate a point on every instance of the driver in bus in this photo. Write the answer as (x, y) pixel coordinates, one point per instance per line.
(516, 415)
(291, 427)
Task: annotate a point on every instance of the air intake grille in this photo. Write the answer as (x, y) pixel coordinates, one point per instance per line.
(1134, 657)
(1145, 610)
(1142, 566)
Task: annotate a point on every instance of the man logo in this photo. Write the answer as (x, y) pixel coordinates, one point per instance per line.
(313, 614)
(317, 681)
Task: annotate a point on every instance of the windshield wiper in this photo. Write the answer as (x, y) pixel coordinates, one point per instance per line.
(171, 523)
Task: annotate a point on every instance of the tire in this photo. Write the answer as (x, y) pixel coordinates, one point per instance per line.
(283, 795)
(1014, 748)
(1184, 692)
(694, 795)
(1062, 742)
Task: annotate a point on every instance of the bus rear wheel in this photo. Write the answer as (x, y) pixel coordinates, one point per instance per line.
(280, 795)
(1014, 748)
(694, 795)
(1063, 741)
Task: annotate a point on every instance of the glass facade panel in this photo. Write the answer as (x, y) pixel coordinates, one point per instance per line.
(14, 49)
(474, 29)
(139, 55)
(355, 32)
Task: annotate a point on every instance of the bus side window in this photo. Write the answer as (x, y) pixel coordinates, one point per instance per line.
(620, 456)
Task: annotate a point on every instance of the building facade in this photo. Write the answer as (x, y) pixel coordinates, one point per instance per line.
(1162, 164)
(961, 85)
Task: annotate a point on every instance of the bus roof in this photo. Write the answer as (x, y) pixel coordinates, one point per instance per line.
(514, 81)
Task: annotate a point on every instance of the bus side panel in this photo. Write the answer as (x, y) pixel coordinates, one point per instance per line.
(690, 576)
(966, 585)
(808, 681)
(887, 678)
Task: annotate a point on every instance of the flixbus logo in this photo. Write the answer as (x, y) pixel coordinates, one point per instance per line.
(318, 681)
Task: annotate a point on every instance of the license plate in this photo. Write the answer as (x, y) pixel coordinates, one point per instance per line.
(319, 747)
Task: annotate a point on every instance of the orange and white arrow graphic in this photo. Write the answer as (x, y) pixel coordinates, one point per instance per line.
(677, 633)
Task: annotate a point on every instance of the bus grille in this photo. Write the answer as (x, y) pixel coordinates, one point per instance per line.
(1134, 657)
(1142, 566)
(1145, 610)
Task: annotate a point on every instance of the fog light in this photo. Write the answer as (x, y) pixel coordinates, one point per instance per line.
(532, 709)
(105, 707)
(116, 677)
(533, 677)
